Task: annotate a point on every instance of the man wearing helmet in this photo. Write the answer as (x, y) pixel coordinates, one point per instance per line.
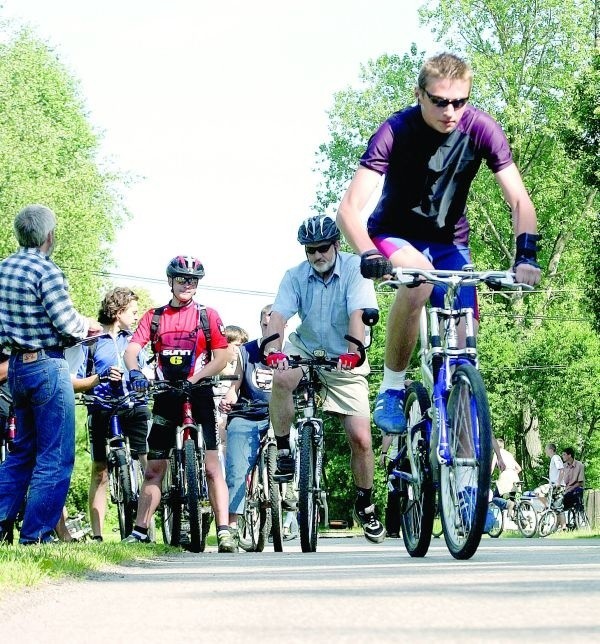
(329, 295)
(179, 327)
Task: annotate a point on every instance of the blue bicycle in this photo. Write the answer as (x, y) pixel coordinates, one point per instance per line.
(447, 449)
(125, 475)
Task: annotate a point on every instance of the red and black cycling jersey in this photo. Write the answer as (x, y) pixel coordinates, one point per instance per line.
(180, 343)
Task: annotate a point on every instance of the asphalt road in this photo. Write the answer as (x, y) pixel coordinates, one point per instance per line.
(349, 591)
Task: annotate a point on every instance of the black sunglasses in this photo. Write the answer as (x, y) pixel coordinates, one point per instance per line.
(311, 250)
(444, 102)
(179, 279)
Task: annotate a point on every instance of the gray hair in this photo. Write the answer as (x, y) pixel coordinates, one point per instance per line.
(33, 224)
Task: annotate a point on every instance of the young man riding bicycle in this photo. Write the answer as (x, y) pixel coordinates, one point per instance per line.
(429, 154)
(182, 352)
(329, 294)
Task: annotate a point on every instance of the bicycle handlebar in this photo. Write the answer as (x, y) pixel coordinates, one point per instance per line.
(318, 359)
(416, 276)
(111, 403)
(185, 386)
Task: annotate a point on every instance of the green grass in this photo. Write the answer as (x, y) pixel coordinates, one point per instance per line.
(28, 566)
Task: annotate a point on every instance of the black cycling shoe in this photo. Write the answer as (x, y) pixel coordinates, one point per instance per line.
(6, 533)
(371, 525)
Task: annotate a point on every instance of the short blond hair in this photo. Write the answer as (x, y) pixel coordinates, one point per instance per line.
(444, 65)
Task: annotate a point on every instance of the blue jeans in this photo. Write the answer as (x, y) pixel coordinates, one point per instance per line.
(243, 440)
(42, 458)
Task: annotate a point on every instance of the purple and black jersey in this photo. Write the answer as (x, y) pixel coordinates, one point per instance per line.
(428, 174)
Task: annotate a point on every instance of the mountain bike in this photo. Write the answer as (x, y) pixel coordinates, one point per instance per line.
(125, 475)
(447, 448)
(262, 502)
(185, 507)
(310, 435)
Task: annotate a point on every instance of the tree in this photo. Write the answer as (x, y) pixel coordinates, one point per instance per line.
(527, 58)
(48, 154)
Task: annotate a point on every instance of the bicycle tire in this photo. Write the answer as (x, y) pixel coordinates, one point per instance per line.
(264, 511)
(498, 526)
(417, 518)
(465, 485)
(308, 508)
(547, 523)
(205, 505)
(171, 507)
(192, 496)
(249, 532)
(124, 495)
(526, 519)
(275, 499)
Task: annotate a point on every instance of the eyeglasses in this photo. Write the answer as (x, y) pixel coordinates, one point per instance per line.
(179, 279)
(311, 250)
(444, 102)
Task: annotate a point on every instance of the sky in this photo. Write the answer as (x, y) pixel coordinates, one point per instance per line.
(215, 111)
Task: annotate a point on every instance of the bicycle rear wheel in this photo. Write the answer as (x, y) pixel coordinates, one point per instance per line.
(308, 506)
(275, 499)
(171, 506)
(193, 496)
(465, 480)
(526, 519)
(417, 519)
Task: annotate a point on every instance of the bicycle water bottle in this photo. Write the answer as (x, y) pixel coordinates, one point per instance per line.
(115, 431)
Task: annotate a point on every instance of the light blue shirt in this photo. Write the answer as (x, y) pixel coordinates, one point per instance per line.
(324, 308)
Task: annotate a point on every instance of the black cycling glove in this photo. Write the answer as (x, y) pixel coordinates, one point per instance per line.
(138, 381)
(374, 265)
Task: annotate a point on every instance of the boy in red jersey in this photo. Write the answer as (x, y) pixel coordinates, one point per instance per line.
(189, 342)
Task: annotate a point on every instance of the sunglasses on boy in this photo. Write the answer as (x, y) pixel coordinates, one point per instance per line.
(179, 279)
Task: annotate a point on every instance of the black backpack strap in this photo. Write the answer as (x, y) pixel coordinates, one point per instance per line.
(90, 367)
(154, 326)
(204, 324)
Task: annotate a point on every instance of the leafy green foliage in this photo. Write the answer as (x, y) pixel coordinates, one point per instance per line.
(48, 154)
(537, 353)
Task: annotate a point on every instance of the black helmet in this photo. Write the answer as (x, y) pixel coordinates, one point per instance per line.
(185, 266)
(317, 229)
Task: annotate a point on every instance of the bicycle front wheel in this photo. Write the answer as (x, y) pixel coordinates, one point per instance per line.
(417, 519)
(193, 496)
(124, 495)
(526, 519)
(308, 507)
(465, 479)
(274, 499)
(548, 522)
(498, 523)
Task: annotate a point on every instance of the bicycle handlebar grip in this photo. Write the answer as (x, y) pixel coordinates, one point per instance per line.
(264, 343)
(360, 347)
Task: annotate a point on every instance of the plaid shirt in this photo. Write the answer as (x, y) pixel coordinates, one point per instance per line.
(36, 311)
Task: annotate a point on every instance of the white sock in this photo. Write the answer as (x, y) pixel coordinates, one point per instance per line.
(392, 379)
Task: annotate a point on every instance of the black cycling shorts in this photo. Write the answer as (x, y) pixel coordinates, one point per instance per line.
(167, 414)
(134, 423)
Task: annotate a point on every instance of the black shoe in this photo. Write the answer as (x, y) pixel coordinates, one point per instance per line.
(371, 525)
